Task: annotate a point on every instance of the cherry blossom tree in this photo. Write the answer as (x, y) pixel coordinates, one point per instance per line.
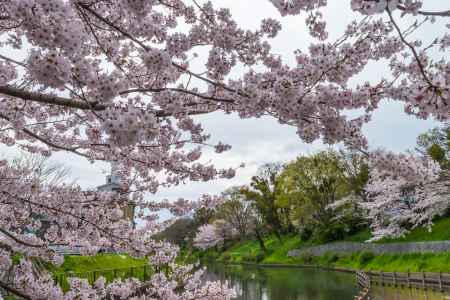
(404, 191)
(207, 237)
(111, 80)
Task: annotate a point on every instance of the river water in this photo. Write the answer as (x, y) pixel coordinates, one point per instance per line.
(268, 283)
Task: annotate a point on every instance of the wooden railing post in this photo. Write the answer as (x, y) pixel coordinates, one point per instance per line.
(394, 279)
(381, 278)
(408, 279)
(423, 280)
(440, 281)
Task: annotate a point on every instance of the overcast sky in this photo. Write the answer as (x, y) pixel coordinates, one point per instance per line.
(258, 141)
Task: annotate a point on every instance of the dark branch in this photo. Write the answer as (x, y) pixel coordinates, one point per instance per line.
(445, 13)
(14, 291)
(411, 47)
(49, 99)
(17, 240)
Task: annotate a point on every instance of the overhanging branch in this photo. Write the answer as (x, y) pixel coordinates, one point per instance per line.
(445, 13)
(49, 99)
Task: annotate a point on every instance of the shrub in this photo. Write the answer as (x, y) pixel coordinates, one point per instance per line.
(307, 257)
(255, 257)
(326, 234)
(249, 257)
(226, 256)
(330, 258)
(260, 256)
(365, 257)
(210, 255)
(305, 234)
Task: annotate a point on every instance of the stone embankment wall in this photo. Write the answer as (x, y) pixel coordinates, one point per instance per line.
(351, 247)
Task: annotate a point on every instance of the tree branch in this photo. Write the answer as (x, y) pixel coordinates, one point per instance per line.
(413, 50)
(14, 291)
(71, 103)
(17, 240)
(49, 99)
(445, 13)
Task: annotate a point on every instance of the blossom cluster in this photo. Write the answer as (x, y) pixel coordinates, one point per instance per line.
(129, 127)
(207, 237)
(51, 69)
(370, 7)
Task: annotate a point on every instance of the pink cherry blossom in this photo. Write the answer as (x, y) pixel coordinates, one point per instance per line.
(113, 81)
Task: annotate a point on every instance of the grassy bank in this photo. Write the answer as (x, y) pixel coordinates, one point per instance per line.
(80, 264)
(249, 251)
(109, 266)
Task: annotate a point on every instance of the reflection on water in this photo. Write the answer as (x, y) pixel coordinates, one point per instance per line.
(258, 283)
(263, 283)
(382, 293)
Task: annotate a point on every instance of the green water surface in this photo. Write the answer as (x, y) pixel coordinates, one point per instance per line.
(287, 283)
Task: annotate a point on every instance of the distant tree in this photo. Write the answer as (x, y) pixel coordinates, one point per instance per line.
(263, 193)
(356, 171)
(436, 144)
(43, 170)
(180, 233)
(313, 183)
(226, 231)
(204, 215)
(208, 237)
(238, 212)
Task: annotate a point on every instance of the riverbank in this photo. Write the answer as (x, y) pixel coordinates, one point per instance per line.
(109, 266)
(99, 262)
(416, 262)
(277, 253)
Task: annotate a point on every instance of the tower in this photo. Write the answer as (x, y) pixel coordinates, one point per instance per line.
(115, 183)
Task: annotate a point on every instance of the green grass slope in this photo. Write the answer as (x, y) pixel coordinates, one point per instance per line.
(250, 252)
(77, 264)
(109, 266)
(440, 232)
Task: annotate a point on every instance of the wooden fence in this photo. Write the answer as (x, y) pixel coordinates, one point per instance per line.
(424, 280)
(142, 273)
(363, 281)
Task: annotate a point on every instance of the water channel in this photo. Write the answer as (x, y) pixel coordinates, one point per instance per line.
(284, 283)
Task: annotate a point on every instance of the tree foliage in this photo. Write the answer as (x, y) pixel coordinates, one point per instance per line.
(436, 144)
(315, 182)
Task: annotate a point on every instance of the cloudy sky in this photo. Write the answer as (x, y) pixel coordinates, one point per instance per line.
(258, 141)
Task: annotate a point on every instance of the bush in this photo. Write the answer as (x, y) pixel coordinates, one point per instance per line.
(249, 257)
(330, 258)
(210, 255)
(260, 256)
(305, 234)
(330, 233)
(226, 256)
(254, 257)
(365, 257)
(307, 257)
